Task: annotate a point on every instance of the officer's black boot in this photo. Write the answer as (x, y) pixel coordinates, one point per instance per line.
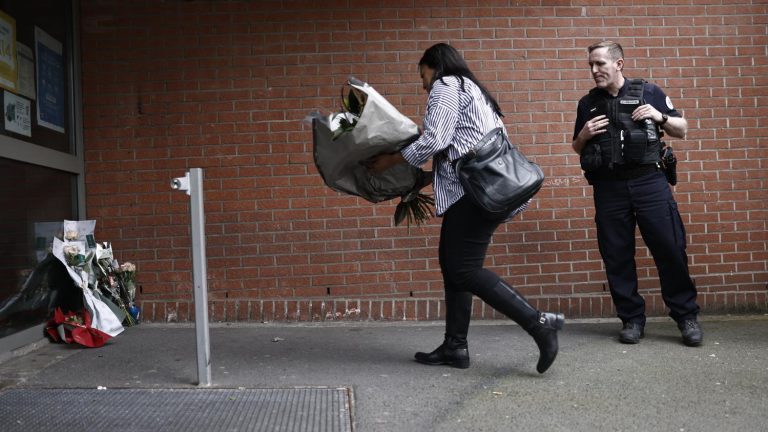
(454, 350)
(542, 326)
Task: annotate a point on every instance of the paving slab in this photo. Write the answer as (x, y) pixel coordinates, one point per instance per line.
(596, 383)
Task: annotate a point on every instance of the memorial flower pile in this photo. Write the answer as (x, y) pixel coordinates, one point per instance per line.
(107, 289)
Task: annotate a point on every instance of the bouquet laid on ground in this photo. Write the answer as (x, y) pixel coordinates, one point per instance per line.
(107, 289)
(366, 126)
(73, 327)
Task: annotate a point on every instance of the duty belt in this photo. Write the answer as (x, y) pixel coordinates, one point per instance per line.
(622, 172)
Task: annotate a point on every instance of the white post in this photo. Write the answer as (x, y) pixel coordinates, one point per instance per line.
(193, 184)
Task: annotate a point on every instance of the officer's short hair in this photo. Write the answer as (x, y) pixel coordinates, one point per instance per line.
(614, 49)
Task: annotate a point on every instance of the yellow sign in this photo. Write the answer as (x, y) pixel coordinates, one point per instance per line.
(8, 66)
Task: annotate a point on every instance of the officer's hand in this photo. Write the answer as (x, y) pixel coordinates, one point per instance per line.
(593, 127)
(646, 111)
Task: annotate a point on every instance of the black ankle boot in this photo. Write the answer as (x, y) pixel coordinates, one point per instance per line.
(544, 332)
(453, 352)
(542, 326)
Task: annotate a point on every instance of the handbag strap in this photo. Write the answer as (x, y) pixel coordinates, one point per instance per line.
(487, 139)
(499, 125)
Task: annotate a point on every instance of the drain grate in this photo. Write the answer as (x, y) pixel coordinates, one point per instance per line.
(294, 409)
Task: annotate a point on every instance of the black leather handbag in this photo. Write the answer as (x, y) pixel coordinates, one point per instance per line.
(497, 176)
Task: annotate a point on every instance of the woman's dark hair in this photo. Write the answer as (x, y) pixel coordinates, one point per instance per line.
(447, 61)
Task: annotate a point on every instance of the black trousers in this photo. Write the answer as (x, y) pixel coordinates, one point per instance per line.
(645, 202)
(465, 234)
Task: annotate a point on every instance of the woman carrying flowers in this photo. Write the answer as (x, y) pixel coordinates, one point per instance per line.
(460, 111)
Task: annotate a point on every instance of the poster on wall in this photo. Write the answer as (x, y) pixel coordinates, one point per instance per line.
(17, 112)
(8, 76)
(26, 68)
(50, 81)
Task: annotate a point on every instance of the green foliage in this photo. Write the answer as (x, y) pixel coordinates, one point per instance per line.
(415, 208)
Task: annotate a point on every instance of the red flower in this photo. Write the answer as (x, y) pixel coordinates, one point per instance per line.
(75, 327)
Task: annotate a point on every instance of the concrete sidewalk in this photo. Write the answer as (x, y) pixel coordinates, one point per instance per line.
(596, 383)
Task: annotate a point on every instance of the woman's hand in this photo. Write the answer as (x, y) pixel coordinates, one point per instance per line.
(429, 178)
(380, 163)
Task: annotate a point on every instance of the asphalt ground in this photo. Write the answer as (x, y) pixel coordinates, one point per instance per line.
(596, 383)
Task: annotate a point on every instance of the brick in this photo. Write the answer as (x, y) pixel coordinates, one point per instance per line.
(277, 232)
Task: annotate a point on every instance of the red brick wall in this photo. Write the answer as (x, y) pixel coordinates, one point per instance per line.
(224, 86)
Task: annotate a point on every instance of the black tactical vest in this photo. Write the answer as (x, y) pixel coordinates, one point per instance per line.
(626, 143)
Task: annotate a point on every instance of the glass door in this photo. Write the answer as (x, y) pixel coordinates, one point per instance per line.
(41, 158)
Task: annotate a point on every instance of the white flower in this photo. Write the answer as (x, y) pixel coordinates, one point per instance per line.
(70, 250)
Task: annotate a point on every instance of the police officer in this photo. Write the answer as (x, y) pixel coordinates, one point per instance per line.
(618, 137)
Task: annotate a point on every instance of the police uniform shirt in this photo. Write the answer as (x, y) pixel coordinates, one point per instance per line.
(652, 94)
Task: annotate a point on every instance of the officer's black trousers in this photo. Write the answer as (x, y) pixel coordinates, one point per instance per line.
(646, 202)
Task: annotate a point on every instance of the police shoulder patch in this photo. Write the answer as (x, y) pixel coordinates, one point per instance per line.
(669, 103)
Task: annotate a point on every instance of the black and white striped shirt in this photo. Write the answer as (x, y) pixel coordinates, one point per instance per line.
(455, 120)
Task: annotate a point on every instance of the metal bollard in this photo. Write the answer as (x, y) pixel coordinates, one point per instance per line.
(192, 183)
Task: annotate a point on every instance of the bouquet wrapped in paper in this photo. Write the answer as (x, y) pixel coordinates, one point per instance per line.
(367, 126)
(75, 327)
